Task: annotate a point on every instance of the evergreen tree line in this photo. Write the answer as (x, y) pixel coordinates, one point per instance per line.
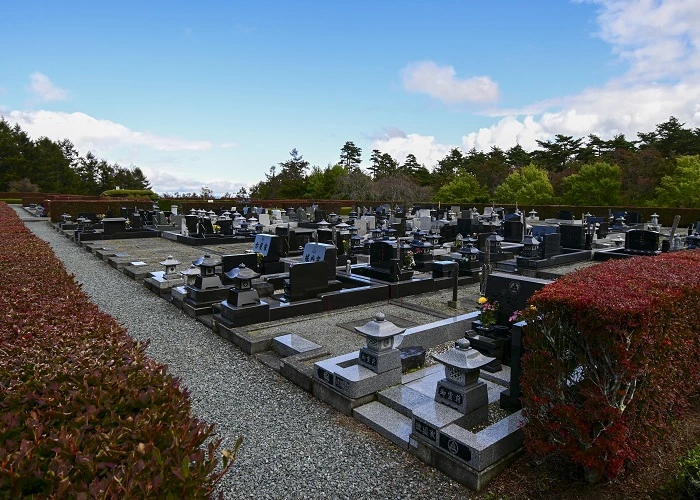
(659, 168)
(56, 167)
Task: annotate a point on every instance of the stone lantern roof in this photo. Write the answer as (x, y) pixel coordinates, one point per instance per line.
(170, 261)
(242, 273)
(463, 357)
(207, 261)
(379, 328)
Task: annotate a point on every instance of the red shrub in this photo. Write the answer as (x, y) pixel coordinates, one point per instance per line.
(83, 410)
(611, 358)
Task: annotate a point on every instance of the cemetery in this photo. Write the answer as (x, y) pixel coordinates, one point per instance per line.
(359, 314)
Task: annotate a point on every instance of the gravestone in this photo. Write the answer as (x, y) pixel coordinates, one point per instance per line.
(264, 219)
(511, 292)
(191, 224)
(322, 252)
(465, 225)
(565, 215)
(136, 221)
(111, 226)
(306, 280)
(269, 246)
(550, 245)
(642, 242)
(513, 230)
(573, 236)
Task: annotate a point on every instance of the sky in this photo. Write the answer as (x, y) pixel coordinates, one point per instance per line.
(214, 93)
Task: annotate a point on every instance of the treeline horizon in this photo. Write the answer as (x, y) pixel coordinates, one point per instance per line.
(43, 165)
(658, 168)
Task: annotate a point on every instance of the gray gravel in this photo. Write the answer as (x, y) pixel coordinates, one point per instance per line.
(294, 446)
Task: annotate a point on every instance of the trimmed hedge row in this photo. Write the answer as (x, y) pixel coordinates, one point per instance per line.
(131, 193)
(83, 410)
(610, 358)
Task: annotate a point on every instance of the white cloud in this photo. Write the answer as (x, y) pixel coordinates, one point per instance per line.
(99, 136)
(659, 39)
(660, 43)
(44, 90)
(162, 159)
(163, 181)
(440, 82)
(426, 150)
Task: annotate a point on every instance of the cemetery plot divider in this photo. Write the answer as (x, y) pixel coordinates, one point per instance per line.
(82, 403)
(610, 357)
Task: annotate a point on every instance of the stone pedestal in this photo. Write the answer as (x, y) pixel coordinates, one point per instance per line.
(472, 401)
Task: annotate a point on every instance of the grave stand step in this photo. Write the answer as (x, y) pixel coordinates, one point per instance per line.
(291, 344)
(387, 422)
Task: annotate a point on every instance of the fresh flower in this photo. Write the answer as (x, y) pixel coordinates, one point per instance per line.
(408, 261)
(522, 315)
(488, 311)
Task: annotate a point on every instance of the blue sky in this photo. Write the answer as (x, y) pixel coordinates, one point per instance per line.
(215, 93)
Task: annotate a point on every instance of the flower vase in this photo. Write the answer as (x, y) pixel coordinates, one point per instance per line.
(500, 331)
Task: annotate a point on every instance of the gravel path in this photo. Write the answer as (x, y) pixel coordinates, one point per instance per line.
(294, 446)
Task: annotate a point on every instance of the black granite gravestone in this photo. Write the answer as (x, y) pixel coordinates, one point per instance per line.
(322, 252)
(513, 230)
(306, 280)
(550, 245)
(573, 236)
(113, 226)
(565, 215)
(642, 241)
(511, 292)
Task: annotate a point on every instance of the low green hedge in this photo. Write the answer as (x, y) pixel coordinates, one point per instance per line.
(130, 193)
(83, 411)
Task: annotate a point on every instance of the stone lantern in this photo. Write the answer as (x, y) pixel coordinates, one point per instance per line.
(242, 293)
(531, 247)
(422, 250)
(380, 355)
(388, 233)
(433, 238)
(494, 243)
(471, 256)
(355, 240)
(342, 238)
(208, 277)
(533, 215)
(170, 265)
(461, 388)
(190, 274)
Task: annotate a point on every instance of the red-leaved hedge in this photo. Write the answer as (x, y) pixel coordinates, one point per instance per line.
(611, 358)
(83, 411)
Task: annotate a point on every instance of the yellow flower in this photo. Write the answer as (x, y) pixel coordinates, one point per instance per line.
(482, 301)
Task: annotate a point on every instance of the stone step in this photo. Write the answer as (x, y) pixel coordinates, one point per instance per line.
(291, 344)
(401, 399)
(386, 422)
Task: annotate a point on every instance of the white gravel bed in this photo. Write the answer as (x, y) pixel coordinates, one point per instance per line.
(294, 446)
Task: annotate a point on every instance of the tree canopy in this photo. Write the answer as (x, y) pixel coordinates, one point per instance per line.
(528, 185)
(596, 184)
(681, 188)
(56, 167)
